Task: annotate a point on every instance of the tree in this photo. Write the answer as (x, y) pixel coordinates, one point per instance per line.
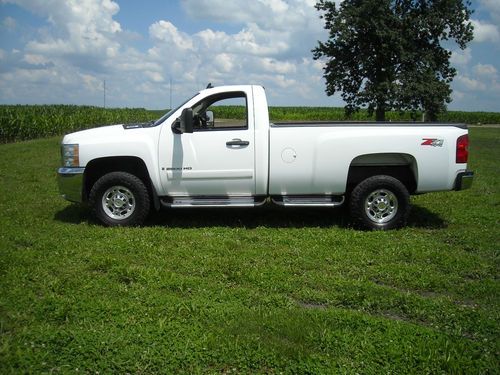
(392, 54)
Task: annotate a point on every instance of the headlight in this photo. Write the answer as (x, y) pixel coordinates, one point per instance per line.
(70, 155)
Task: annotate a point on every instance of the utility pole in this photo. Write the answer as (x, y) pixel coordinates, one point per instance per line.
(170, 93)
(104, 94)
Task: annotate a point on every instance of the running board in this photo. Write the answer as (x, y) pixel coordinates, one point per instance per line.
(180, 202)
(309, 201)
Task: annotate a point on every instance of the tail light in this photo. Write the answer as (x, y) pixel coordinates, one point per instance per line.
(462, 149)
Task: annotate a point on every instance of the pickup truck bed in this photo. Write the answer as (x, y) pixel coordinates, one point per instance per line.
(323, 153)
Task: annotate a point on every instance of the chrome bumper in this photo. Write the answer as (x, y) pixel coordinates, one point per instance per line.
(70, 181)
(464, 180)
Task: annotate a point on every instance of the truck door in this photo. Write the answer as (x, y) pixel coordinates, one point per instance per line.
(217, 159)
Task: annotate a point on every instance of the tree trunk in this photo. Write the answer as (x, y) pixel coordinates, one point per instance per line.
(431, 116)
(380, 113)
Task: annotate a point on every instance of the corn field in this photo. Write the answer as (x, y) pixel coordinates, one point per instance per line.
(338, 114)
(23, 122)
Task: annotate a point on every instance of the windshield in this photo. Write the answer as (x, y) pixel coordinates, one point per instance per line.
(169, 113)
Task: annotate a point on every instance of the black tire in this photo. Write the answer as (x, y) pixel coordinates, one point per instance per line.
(380, 203)
(119, 199)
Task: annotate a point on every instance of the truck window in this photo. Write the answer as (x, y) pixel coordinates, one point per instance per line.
(226, 111)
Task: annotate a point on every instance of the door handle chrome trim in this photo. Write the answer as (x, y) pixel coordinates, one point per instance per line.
(237, 142)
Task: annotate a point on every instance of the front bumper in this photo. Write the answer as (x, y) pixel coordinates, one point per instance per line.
(464, 180)
(70, 181)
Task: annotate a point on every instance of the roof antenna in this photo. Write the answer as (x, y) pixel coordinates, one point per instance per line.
(209, 86)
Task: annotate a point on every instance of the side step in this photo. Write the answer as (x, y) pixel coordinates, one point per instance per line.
(287, 201)
(182, 202)
(309, 200)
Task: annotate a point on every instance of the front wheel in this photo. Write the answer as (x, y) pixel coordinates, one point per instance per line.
(119, 199)
(380, 202)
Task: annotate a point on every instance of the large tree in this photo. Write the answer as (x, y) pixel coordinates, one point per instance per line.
(392, 54)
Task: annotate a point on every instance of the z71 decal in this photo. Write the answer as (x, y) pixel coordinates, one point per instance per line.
(434, 142)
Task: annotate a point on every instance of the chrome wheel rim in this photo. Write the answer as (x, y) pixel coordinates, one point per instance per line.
(381, 206)
(118, 202)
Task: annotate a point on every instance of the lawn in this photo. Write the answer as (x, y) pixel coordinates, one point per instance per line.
(247, 291)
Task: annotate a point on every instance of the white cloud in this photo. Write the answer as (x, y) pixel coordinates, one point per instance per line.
(35, 59)
(284, 82)
(471, 83)
(458, 95)
(67, 59)
(224, 62)
(154, 76)
(281, 67)
(461, 57)
(79, 28)
(485, 70)
(483, 78)
(270, 27)
(271, 48)
(166, 32)
(493, 8)
(270, 43)
(82, 44)
(485, 32)
(235, 11)
(9, 23)
(92, 83)
(88, 16)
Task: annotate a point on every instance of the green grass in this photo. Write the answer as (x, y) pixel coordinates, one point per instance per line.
(247, 291)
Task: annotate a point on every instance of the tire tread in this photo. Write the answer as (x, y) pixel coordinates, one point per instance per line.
(132, 182)
(360, 192)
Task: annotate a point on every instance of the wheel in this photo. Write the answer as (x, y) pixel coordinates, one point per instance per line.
(119, 199)
(380, 202)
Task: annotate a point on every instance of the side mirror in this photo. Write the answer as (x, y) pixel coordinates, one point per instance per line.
(184, 124)
(187, 120)
(210, 119)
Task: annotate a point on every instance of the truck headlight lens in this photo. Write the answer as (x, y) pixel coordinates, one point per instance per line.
(70, 155)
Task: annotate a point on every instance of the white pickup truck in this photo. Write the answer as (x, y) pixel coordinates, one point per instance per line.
(191, 157)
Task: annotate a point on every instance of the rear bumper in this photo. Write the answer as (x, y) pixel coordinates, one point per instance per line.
(464, 180)
(70, 181)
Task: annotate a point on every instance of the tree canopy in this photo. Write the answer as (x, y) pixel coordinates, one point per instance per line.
(392, 54)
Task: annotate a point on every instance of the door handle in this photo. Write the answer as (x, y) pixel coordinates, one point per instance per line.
(237, 142)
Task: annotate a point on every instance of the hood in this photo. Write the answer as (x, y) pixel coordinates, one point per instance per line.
(105, 132)
(95, 133)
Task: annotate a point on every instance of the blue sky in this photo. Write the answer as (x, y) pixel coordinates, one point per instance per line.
(61, 51)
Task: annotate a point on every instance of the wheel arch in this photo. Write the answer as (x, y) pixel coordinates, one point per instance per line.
(134, 165)
(401, 166)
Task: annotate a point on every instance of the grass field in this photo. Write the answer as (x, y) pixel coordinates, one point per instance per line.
(245, 291)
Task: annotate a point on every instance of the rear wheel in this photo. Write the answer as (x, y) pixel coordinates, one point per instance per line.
(380, 202)
(119, 199)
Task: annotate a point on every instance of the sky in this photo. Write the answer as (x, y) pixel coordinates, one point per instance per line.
(155, 53)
